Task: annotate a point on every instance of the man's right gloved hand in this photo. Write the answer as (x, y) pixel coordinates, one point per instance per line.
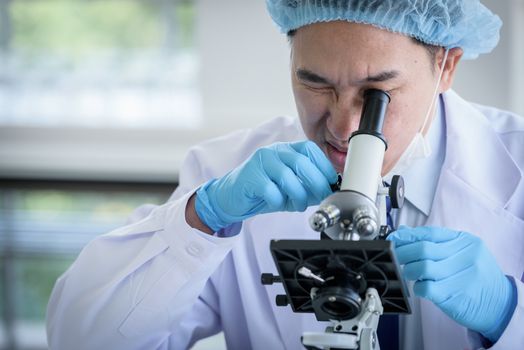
(280, 177)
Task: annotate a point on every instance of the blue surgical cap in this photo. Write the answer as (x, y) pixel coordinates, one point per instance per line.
(448, 23)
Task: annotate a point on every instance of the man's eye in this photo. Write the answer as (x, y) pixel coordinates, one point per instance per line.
(322, 89)
(389, 91)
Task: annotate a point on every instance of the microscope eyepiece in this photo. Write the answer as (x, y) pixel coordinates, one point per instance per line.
(373, 114)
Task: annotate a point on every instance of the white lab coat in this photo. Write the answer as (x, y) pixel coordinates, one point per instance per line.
(159, 284)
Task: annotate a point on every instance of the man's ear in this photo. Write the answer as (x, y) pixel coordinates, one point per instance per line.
(450, 68)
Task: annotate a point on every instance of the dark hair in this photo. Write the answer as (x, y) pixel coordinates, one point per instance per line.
(431, 49)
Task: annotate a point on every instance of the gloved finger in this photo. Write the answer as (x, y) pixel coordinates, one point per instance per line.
(315, 154)
(286, 180)
(406, 235)
(425, 250)
(270, 194)
(273, 200)
(438, 270)
(440, 291)
(314, 181)
(430, 290)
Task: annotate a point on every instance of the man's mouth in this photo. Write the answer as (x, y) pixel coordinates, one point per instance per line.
(337, 156)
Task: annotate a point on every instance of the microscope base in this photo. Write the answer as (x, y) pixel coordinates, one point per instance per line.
(314, 341)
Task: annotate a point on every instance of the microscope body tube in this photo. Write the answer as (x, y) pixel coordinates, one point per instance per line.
(367, 147)
(363, 165)
(354, 206)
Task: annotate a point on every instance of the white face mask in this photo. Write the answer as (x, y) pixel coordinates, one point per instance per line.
(419, 148)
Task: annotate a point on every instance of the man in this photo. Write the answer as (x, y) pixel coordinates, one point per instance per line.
(191, 268)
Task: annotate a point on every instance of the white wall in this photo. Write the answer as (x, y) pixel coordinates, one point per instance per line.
(244, 64)
(517, 63)
(496, 79)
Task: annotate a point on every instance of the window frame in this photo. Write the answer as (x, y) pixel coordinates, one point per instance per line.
(95, 154)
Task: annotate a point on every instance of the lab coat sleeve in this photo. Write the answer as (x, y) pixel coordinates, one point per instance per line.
(133, 287)
(513, 336)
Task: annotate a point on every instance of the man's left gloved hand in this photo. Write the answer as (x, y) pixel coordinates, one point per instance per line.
(457, 273)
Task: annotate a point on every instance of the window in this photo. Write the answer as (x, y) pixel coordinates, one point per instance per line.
(99, 64)
(120, 89)
(43, 227)
(91, 88)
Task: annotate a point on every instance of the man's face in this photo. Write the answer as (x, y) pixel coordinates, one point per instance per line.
(334, 63)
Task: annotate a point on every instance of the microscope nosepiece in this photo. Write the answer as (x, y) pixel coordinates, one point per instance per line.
(324, 218)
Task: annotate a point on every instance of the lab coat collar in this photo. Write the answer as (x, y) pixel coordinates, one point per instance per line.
(471, 142)
(422, 177)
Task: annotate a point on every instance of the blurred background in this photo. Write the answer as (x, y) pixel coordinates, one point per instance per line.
(100, 100)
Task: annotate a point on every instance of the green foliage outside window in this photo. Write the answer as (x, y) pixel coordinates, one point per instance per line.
(77, 27)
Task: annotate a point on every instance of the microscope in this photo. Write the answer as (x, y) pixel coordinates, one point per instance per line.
(350, 276)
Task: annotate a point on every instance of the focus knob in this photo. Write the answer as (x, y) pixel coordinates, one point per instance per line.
(396, 192)
(282, 300)
(268, 279)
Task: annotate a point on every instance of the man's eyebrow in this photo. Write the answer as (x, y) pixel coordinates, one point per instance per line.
(380, 77)
(304, 74)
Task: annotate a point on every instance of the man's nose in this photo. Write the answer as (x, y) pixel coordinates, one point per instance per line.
(344, 117)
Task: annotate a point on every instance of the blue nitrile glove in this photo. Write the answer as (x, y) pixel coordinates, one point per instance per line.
(280, 177)
(457, 273)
